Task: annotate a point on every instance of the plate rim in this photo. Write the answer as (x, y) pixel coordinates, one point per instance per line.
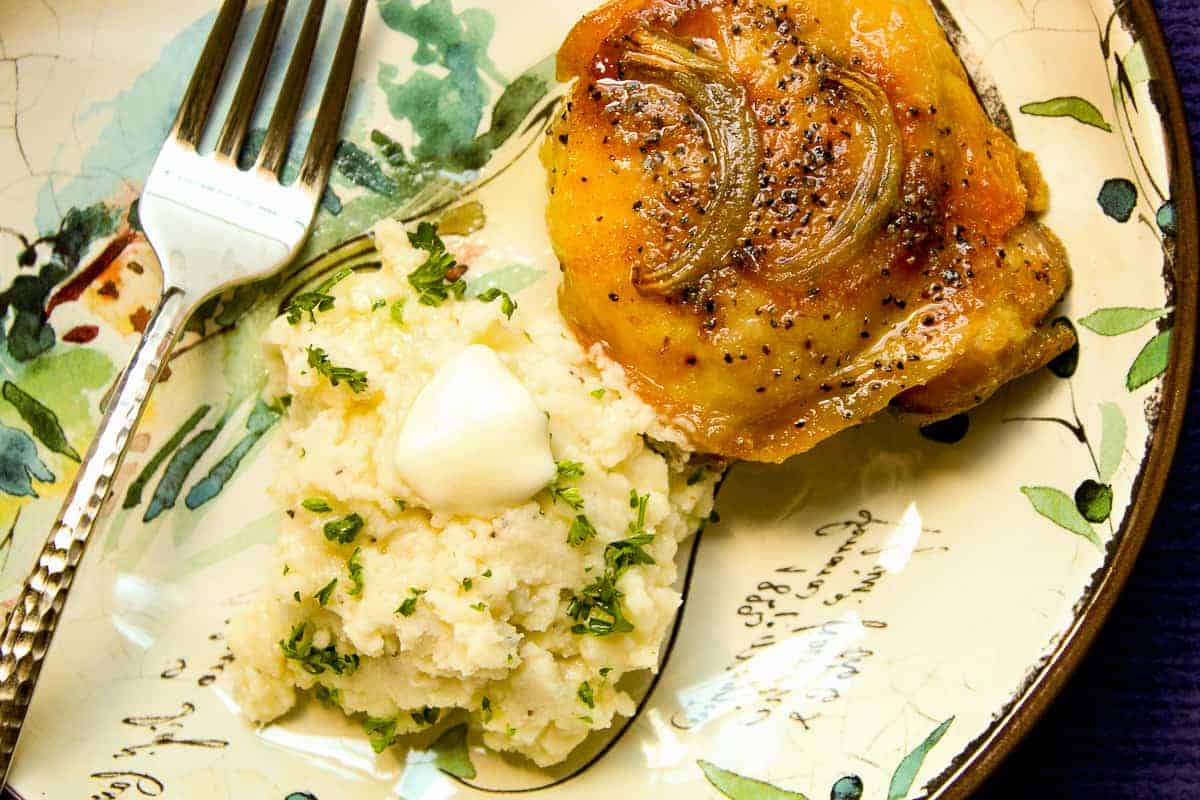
(982, 756)
(971, 768)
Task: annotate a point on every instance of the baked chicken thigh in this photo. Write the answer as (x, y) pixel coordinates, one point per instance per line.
(783, 217)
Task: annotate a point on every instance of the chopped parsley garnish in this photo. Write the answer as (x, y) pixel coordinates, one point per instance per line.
(317, 505)
(604, 671)
(621, 555)
(410, 603)
(486, 707)
(397, 311)
(585, 695)
(510, 731)
(381, 731)
(467, 583)
(567, 471)
(354, 565)
(597, 393)
(296, 595)
(327, 696)
(487, 573)
(378, 304)
(581, 531)
(355, 379)
(315, 660)
(695, 477)
(343, 530)
(323, 595)
(426, 716)
(479, 606)
(318, 299)
(436, 279)
(507, 304)
(597, 608)
(400, 504)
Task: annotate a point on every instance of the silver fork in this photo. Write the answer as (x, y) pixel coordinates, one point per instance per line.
(212, 226)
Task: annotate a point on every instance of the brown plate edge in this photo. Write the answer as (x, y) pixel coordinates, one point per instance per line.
(969, 771)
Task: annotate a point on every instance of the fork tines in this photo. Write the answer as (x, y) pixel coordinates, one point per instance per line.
(194, 112)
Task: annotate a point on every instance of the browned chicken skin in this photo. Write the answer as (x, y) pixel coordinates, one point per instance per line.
(783, 217)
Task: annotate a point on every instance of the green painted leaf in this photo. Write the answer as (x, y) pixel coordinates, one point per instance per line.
(30, 334)
(1094, 501)
(1121, 320)
(906, 773)
(1076, 108)
(362, 169)
(1060, 509)
(847, 788)
(1136, 67)
(41, 420)
(737, 787)
(1118, 198)
(509, 280)
(451, 753)
(1065, 364)
(260, 421)
(1112, 440)
(133, 498)
(1151, 362)
(171, 483)
(1167, 219)
(19, 462)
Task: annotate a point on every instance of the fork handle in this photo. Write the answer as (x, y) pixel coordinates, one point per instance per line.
(34, 618)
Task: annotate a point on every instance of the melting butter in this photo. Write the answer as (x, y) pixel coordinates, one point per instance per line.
(475, 440)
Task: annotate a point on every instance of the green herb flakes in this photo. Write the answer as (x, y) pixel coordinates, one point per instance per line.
(581, 531)
(299, 647)
(585, 695)
(323, 595)
(467, 583)
(507, 304)
(355, 380)
(354, 566)
(378, 304)
(318, 299)
(343, 530)
(567, 471)
(317, 505)
(381, 731)
(327, 696)
(486, 709)
(597, 393)
(438, 278)
(409, 606)
(479, 606)
(426, 716)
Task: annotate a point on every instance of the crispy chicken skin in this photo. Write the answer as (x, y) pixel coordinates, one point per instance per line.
(782, 217)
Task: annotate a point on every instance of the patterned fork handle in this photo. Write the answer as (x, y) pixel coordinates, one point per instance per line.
(34, 618)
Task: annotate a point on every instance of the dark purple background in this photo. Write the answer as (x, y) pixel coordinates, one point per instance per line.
(1128, 723)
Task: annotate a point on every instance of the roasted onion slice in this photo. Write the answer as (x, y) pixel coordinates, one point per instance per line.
(722, 106)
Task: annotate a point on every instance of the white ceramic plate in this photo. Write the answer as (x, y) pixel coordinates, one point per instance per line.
(880, 618)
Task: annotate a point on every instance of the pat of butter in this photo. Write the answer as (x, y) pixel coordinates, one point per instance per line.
(474, 440)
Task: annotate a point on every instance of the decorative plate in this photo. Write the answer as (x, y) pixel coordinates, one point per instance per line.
(881, 618)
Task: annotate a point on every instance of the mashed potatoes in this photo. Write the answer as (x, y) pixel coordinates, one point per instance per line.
(524, 619)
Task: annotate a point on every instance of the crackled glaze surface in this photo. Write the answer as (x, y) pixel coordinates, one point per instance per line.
(857, 621)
